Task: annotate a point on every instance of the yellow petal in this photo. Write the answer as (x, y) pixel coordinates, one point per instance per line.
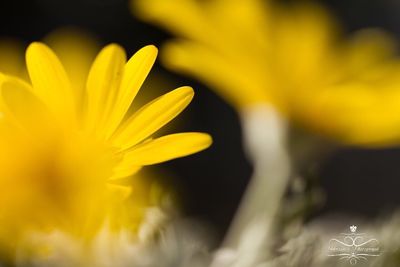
(190, 22)
(368, 50)
(238, 86)
(77, 50)
(124, 170)
(49, 80)
(358, 113)
(119, 192)
(152, 117)
(3, 77)
(102, 86)
(135, 72)
(21, 105)
(166, 148)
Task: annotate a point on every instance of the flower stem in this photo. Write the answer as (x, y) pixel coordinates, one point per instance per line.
(265, 136)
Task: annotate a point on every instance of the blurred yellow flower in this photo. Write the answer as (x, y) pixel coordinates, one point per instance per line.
(290, 56)
(65, 144)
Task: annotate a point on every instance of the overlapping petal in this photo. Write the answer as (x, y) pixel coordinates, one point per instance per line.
(50, 81)
(103, 85)
(135, 72)
(152, 117)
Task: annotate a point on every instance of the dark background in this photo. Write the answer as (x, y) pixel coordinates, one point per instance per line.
(363, 182)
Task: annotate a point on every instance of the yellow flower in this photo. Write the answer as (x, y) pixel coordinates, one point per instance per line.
(290, 56)
(65, 145)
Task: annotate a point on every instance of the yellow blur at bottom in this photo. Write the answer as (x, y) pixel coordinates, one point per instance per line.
(51, 181)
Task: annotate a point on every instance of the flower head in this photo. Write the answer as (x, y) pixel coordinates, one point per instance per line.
(290, 56)
(63, 151)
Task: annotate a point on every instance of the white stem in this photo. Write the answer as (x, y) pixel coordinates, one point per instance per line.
(265, 136)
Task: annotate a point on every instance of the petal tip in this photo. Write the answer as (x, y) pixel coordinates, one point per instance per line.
(207, 139)
(149, 51)
(151, 48)
(114, 47)
(187, 90)
(36, 47)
